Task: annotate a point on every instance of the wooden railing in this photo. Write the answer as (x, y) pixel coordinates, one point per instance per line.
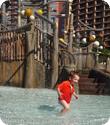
(83, 59)
(12, 45)
(44, 32)
(87, 59)
(12, 56)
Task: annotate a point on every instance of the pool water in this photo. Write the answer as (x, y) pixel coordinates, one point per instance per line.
(40, 107)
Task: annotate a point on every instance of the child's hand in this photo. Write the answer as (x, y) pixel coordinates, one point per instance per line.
(60, 97)
(76, 97)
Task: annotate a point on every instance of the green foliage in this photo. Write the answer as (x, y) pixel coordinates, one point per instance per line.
(84, 44)
(105, 52)
(94, 49)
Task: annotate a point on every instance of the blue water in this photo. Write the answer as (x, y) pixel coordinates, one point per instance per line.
(40, 107)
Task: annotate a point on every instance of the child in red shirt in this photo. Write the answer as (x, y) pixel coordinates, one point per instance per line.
(65, 91)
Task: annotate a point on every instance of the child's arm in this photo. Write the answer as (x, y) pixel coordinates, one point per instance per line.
(58, 91)
(75, 95)
(59, 94)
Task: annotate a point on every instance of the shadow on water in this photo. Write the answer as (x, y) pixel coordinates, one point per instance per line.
(46, 108)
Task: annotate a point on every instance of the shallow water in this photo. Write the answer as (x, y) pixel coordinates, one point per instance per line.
(40, 107)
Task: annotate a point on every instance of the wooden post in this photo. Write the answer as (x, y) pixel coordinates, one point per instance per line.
(108, 65)
(80, 59)
(55, 55)
(30, 71)
(19, 13)
(70, 34)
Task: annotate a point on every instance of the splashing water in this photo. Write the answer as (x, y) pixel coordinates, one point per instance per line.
(40, 107)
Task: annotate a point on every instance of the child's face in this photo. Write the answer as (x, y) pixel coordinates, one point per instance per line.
(75, 79)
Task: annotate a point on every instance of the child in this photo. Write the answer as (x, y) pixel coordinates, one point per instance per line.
(65, 91)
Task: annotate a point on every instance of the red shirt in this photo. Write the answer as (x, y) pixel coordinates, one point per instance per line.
(66, 91)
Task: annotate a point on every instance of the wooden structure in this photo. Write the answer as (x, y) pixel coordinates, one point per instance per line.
(29, 55)
(32, 56)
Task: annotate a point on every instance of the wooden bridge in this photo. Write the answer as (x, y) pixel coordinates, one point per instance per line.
(32, 56)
